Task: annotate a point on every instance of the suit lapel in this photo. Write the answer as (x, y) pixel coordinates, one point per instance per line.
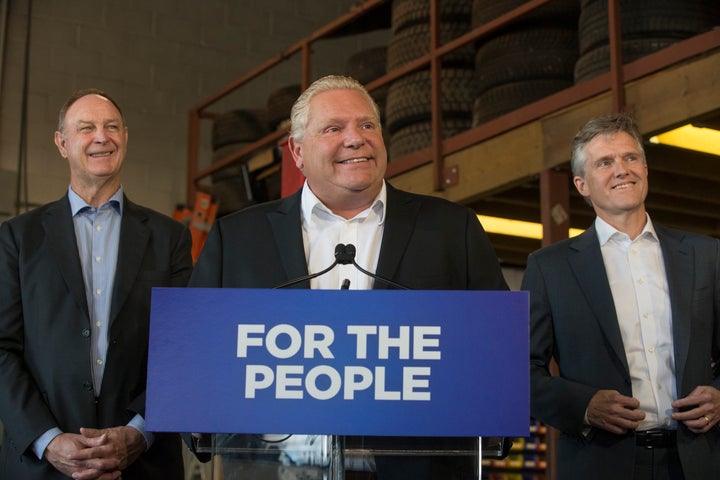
(286, 224)
(589, 270)
(678, 259)
(58, 225)
(134, 237)
(401, 212)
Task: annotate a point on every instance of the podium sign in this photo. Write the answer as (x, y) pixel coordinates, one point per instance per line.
(341, 362)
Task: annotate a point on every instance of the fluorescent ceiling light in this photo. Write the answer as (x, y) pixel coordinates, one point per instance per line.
(692, 138)
(517, 228)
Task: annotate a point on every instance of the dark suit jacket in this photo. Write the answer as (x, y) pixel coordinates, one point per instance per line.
(573, 319)
(428, 243)
(45, 376)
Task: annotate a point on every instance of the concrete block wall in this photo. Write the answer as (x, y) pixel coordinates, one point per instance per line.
(158, 59)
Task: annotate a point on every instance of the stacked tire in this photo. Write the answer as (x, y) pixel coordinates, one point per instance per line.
(533, 57)
(279, 104)
(646, 25)
(231, 132)
(408, 107)
(368, 65)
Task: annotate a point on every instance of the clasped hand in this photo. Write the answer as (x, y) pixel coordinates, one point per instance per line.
(699, 411)
(614, 412)
(617, 413)
(95, 454)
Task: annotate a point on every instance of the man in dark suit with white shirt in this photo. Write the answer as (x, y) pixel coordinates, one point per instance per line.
(630, 310)
(417, 241)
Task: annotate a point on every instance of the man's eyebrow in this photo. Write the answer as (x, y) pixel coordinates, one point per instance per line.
(104, 122)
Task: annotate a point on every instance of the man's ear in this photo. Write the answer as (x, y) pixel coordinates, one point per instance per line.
(580, 185)
(296, 151)
(60, 144)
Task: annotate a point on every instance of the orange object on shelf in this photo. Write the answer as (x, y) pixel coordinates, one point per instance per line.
(199, 220)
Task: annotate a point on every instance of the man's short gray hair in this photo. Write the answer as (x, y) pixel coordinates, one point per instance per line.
(301, 107)
(605, 125)
(77, 95)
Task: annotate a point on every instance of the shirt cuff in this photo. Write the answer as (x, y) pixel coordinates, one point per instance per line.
(138, 423)
(43, 441)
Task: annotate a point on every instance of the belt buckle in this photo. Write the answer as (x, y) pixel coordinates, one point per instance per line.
(652, 438)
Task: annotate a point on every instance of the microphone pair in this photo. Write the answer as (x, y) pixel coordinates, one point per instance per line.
(344, 255)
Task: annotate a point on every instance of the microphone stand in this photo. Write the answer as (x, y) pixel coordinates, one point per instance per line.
(344, 255)
(341, 258)
(350, 253)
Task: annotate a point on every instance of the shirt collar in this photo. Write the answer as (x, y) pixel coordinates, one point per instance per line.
(77, 203)
(605, 231)
(309, 202)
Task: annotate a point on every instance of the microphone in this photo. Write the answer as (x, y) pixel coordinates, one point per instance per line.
(350, 257)
(342, 257)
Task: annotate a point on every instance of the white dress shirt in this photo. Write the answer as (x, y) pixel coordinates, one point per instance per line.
(638, 281)
(323, 230)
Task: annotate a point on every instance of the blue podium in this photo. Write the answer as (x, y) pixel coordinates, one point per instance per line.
(338, 381)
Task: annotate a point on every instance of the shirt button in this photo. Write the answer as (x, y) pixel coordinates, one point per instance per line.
(98, 228)
(98, 361)
(651, 349)
(97, 259)
(98, 291)
(97, 324)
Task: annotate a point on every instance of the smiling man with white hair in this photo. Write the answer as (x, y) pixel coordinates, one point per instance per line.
(417, 241)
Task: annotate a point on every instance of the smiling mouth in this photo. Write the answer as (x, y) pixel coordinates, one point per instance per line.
(623, 186)
(354, 160)
(101, 154)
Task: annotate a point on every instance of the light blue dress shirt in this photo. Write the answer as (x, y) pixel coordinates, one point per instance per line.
(97, 232)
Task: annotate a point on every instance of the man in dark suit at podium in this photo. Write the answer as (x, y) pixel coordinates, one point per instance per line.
(417, 241)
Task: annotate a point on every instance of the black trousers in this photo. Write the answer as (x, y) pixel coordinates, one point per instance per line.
(657, 464)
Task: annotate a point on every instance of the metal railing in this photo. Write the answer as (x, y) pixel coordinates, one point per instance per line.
(612, 81)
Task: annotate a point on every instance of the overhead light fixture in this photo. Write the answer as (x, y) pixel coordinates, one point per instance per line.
(690, 137)
(517, 228)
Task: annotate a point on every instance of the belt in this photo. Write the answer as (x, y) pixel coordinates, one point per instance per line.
(656, 438)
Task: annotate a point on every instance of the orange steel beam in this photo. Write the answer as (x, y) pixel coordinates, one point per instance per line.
(289, 52)
(306, 68)
(240, 154)
(303, 46)
(677, 53)
(613, 80)
(199, 111)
